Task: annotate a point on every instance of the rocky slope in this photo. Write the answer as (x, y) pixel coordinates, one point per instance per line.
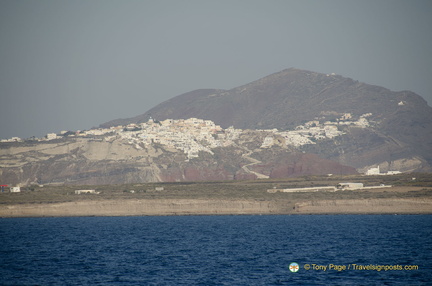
(399, 135)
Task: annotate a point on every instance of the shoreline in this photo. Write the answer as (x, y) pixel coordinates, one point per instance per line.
(169, 207)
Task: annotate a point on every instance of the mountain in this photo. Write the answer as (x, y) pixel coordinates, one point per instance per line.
(399, 135)
(291, 123)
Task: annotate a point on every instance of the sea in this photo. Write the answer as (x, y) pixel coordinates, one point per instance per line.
(217, 250)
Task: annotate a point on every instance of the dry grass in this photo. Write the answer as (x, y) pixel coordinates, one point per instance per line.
(405, 187)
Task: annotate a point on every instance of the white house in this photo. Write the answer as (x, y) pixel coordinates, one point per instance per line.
(15, 189)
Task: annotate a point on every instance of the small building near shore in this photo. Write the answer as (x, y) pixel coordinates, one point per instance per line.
(303, 190)
(15, 189)
(350, 186)
(79, 192)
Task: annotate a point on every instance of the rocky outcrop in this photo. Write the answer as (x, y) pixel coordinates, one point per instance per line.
(403, 165)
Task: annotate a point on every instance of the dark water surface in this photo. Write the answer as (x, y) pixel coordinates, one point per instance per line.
(215, 250)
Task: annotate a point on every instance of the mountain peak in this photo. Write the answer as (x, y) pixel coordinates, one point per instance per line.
(280, 100)
(291, 97)
(306, 123)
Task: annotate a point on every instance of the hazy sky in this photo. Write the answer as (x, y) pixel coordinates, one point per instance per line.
(71, 65)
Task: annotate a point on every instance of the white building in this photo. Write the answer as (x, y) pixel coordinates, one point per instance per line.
(51, 136)
(299, 190)
(268, 142)
(350, 186)
(15, 189)
(373, 171)
(394, 172)
(13, 139)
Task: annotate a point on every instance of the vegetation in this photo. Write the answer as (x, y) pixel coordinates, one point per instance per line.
(405, 187)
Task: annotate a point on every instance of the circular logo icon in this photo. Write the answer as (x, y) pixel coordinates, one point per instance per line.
(294, 267)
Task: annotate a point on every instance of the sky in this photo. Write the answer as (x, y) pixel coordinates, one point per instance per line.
(72, 65)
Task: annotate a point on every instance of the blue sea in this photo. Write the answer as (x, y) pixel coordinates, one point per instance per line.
(217, 250)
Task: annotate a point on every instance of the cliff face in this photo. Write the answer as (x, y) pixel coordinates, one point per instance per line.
(400, 122)
(76, 161)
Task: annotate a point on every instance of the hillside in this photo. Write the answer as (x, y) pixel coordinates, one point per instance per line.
(292, 123)
(399, 135)
(167, 151)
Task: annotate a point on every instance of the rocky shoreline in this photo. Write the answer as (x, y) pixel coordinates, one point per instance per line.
(162, 207)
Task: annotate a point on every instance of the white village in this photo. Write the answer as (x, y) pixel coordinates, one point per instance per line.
(195, 135)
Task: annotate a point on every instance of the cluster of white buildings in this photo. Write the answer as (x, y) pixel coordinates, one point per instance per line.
(189, 135)
(53, 136)
(313, 131)
(194, 135)
(376, 172)
(13, 139)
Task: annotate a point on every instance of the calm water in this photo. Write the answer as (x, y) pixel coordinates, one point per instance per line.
(214, 250)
